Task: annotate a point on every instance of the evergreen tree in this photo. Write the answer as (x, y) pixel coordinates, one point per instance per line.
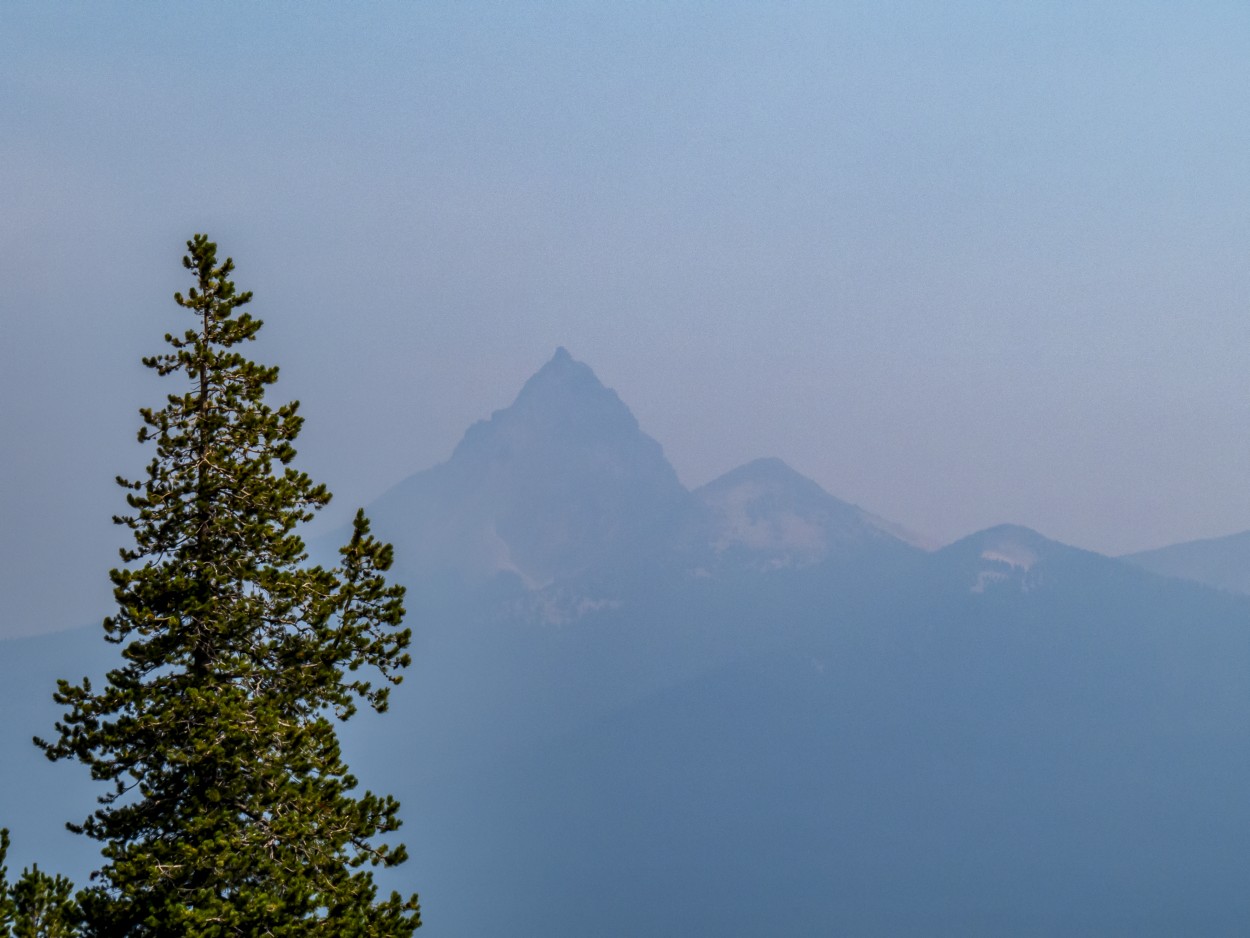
(37, 905)
(230, 810)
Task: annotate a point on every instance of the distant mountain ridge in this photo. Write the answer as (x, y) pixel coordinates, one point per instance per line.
(1221, 562)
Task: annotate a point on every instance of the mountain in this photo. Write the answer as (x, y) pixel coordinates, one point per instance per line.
(765, 516)
(1008, 736)
(559, 482)
(756, 709)
(1222, 562)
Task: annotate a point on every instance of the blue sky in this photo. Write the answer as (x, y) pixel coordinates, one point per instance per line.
(961, 263)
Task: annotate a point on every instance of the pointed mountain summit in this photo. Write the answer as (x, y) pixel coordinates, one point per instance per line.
(562, 411)
(568, 391)
(562, 480)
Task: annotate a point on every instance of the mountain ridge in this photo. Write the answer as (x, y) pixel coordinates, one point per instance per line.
(1219, 562)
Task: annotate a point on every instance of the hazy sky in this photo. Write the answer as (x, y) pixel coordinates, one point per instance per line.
(961, 263)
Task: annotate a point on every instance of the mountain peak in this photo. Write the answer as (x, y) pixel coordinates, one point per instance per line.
(1013, 556)
(563, 365)
(562, 479)
(765, 468)
(562, 362)
(1010, 536)
(770, 516)
(565, 389)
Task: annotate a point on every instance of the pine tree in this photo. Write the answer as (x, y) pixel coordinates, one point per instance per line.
(230, 810)
(37, 905)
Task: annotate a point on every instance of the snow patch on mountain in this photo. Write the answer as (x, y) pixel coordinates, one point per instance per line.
(1013, 555)
(783, 529)
(765, 516)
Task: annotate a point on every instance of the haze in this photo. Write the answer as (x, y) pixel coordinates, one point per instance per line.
(960, 264)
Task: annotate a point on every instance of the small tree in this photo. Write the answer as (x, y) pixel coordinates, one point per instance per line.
(37, 905)
(231, 811)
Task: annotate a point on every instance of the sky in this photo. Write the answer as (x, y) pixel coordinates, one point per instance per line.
(962, 264)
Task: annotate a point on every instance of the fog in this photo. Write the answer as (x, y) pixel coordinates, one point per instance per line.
(960, 264)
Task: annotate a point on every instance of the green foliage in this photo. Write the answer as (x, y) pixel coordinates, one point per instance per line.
(230, 810)
(37, 905)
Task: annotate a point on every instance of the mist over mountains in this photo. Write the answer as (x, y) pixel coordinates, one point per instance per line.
(753, 708)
